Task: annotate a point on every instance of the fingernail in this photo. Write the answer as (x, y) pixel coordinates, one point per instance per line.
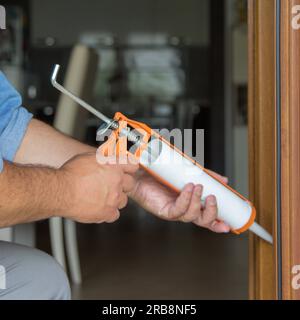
(212, 201)
(190, 188)
(227, 230)
(198, 190)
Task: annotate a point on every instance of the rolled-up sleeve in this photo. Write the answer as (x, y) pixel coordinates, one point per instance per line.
(14, 120)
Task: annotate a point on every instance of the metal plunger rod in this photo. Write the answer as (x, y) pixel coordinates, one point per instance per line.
(110, 122)
(85, 105)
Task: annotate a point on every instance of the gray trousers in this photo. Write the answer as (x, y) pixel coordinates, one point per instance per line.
(27, 273)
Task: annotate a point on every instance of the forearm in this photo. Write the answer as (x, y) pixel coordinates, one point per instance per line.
(44, 145)
(30, 193)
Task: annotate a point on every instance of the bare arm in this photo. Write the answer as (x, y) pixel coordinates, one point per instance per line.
(29, 193)
(44, 145)
(47, 180)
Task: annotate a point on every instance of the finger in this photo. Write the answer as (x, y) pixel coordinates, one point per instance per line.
(194, 210)
(132, 159)
(210, 211)
(129, 168)
(126, 159)
(219, 227)
(128, 183)
(111, 160)
(102, 159)
(123, 201)
(113, 216)
(218, 176)
(128, 164)
(182, 203)
(108, 148)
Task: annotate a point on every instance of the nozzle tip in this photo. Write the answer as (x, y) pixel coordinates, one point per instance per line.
(261, 232)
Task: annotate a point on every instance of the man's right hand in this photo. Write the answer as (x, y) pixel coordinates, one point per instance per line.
(94, 193)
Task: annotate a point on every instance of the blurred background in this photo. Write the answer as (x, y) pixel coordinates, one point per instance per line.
(171, 64)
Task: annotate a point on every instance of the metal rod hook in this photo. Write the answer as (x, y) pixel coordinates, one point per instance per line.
(84, 104)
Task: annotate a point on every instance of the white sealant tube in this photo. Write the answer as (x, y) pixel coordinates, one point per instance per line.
(178, 171)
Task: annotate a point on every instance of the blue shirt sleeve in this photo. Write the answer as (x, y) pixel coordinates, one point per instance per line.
(14, 120)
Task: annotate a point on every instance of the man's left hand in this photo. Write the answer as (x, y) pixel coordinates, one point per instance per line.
(186, 206)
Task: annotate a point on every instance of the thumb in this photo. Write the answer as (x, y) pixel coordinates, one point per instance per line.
(103, 159)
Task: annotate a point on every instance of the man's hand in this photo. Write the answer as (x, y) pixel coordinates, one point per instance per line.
(94, 192)
(185, 207)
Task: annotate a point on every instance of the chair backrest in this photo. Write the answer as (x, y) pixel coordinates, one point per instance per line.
(70, 118)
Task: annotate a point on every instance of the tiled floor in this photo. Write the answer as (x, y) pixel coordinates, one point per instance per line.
(141, 257)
